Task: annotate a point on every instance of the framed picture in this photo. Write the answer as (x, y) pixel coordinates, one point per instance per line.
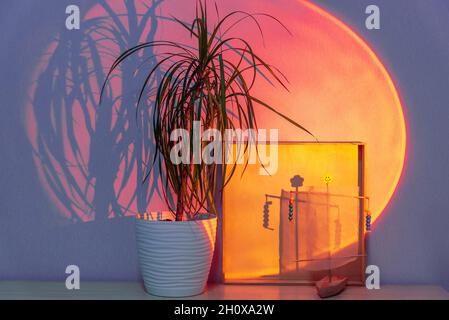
(300, 222)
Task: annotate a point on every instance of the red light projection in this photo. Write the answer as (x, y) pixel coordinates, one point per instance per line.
(85, 153)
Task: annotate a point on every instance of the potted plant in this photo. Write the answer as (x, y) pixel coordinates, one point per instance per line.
(208, 85)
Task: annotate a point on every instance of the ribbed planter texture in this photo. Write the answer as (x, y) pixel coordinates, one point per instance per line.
(175, 257)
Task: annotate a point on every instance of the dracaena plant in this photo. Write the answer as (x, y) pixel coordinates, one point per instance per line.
(211, 82)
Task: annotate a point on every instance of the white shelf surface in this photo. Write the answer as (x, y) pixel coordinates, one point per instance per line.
(134, 290)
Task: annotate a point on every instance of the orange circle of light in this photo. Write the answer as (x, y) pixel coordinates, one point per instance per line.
(338, 87)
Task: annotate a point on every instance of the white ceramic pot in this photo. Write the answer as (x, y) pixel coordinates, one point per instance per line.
(175, 257)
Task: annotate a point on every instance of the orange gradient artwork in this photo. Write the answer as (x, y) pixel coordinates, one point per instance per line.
(252, 246)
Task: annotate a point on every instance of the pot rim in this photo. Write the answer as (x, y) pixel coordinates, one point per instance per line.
(201, 217)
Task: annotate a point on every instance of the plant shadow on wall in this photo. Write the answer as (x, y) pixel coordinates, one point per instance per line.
(90, 158)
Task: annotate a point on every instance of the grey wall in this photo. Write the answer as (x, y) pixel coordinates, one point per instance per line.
(410, 246)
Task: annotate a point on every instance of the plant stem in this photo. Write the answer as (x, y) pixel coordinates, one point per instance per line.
(180, 205)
